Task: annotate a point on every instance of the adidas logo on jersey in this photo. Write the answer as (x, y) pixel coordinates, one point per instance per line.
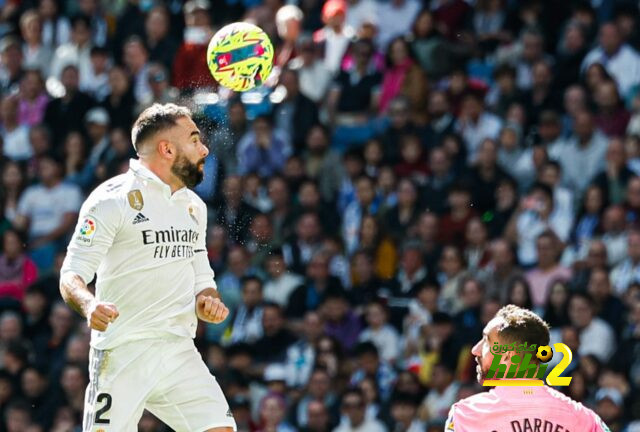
(140, 218)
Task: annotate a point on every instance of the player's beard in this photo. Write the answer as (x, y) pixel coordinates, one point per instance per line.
(188, 172)
(480, 372)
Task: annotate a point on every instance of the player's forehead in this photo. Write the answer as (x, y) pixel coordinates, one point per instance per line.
(185, 126)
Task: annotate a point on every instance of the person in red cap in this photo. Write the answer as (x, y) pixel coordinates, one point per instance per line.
(334, 38)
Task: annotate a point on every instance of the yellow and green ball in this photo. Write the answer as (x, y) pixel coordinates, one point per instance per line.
(240, 56)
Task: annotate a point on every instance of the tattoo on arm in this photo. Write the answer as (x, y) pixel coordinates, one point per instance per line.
(75, 293)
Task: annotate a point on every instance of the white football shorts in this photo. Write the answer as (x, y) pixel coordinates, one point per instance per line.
(165, 376)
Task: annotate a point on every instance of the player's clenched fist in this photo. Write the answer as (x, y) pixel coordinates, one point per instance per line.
(101, 314)
(211, 309)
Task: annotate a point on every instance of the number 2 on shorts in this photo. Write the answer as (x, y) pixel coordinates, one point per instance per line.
(105, 408)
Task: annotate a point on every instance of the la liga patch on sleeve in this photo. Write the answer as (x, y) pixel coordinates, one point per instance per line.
(86, 231)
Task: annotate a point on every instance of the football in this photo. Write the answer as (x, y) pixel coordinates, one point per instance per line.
(240, 56)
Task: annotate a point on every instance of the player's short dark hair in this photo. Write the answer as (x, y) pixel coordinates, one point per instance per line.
(154, 119)
(520, 325)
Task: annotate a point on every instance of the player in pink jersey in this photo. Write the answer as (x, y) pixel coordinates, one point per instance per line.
(524, 408)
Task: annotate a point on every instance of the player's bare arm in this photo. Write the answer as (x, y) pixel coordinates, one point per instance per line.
(209, 306)
(76, 294)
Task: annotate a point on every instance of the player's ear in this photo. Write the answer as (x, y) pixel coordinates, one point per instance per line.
(166, 149)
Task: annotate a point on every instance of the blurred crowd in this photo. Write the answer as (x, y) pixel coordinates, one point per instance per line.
(409, 167)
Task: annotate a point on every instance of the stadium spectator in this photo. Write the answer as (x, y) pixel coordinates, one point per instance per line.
(547, 268)
(501, 269)
(614, 234)
(238, 266)
(475, 124)
(36, 54)
(62, 113)
(318, 418)
(620, 59)
(596, 336)
(626, 273)
(335, 36)
(313, 75)
(319, 389)
(56, 29)
(443, 393)
(587, 148)
(159, 38)
(276, 339)
(302, 354)
(353, 410)
(536, 214)
(33, 99)
(306, 242)
(17, 270)
(136, 60)
(13, 184)
(288, 22)
(380, 332)
(15, 136)
(97, 83)
(48, 211)
(246, 323)
(76, 52)
(610, 308)
(614, 179)
(263, 150)
(353, 96)
(11, 67)
(519, 293)
(189, 64)
(612, 117)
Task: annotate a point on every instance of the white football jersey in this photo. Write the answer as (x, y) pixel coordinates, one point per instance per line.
(147, 248)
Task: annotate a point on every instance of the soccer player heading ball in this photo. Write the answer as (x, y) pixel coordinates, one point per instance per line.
(143, 233)
(522, 408)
